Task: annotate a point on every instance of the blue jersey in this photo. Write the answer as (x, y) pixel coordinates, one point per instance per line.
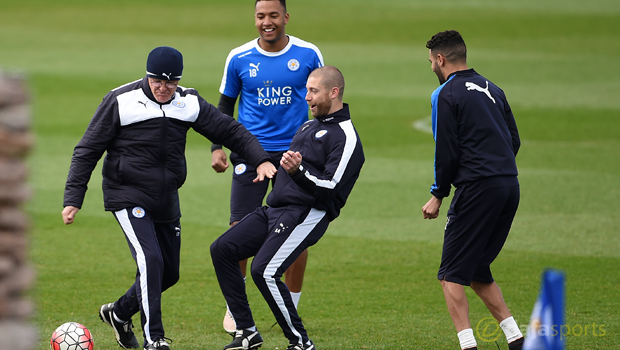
(272, 89)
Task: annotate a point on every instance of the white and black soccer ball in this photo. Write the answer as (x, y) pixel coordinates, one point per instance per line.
(71, 336)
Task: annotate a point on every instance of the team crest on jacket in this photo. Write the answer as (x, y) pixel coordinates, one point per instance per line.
(293, 64)
(178, 104)
(240, 169)
(320, 134)
(138, 212)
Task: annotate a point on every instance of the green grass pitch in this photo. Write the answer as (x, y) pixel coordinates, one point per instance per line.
(370, 282)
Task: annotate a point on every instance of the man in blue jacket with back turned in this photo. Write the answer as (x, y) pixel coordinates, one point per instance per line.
(476, 141)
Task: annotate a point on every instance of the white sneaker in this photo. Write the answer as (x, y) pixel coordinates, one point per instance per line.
(229, 323)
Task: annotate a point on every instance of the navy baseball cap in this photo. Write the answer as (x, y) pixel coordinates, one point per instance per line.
(165, 63)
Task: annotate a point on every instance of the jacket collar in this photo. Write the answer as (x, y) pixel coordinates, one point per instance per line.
(147, 91)
(469, 71)
(338, 116)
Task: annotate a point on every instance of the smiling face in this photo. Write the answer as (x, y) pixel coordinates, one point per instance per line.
(319, 97)
(270, 18)
(163, 90)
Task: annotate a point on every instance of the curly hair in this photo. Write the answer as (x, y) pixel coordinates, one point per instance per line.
(282, 2)
(450, 44)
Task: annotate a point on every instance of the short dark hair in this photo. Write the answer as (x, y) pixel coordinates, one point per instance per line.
(450, 44)
(282, 2)
(330, 77)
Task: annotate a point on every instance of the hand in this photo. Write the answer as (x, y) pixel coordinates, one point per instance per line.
(68, 214)
(290, 161)
(266, 169)
(219, 162)
(431, 208)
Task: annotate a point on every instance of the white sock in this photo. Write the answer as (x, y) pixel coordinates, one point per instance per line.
(511, 330)
(466, 338)
(296, 297)
(251, 329)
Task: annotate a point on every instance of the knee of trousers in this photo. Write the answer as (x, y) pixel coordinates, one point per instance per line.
(170, 279)
(154, 260)
(258, 274)
(221, 251)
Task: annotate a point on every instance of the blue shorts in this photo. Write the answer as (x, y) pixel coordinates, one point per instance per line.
(246, 195)
(479, 220)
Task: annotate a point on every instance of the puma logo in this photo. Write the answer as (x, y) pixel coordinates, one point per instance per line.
(143, 103)
(255, 66)
(167, 75)
(472, 86)
(281, 228)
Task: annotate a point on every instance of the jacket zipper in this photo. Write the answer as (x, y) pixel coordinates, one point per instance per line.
(163, 154)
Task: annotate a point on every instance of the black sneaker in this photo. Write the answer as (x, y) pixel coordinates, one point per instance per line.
(302, 347)
(159, 344)
(245, 340)
(516, 345)
(124, 333)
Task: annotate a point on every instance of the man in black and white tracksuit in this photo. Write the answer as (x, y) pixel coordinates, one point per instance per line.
(143, 128)
(315, 178)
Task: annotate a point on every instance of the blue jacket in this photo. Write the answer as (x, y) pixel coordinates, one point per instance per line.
(475, 133)
(332, 157)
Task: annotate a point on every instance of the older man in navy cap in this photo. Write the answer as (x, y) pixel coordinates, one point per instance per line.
(143, 126)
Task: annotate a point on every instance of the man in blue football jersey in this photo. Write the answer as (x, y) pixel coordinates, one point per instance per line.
(268, 75)
(476, 141)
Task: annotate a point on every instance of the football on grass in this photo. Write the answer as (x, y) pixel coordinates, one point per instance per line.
(71, 336)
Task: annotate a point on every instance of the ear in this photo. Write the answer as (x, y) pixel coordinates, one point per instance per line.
(441, 60)
(286, 18)
(333, 93)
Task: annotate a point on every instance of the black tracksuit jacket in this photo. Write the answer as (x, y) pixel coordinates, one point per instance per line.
(332, 158)
(475, 132)
(145, 144)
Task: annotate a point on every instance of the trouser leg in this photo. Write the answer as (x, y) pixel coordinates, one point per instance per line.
(155, 247)
(240, 242)
(291, 231)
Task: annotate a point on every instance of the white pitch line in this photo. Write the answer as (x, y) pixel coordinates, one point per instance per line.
(424, 125)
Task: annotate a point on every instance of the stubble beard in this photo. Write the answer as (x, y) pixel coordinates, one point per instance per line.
(442, 80)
